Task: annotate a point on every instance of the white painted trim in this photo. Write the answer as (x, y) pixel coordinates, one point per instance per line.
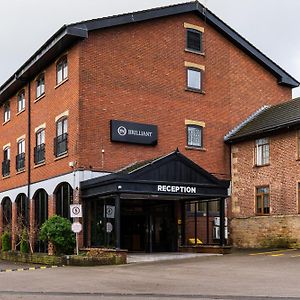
(6, 145)
(64, 114)
(42, 126)
(23, 137)
(49, 185)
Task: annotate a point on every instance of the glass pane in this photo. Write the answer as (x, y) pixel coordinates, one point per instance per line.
(65, 129)
(259, 155)
(194, 79)
(194, 40)
(194, 136)
(59, 73)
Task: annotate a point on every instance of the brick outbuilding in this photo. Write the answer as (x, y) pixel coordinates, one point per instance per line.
(265, 177)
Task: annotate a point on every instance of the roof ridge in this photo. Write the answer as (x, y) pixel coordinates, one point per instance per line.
(245, 122)
(133, 12)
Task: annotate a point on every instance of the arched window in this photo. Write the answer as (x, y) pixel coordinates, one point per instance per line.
(22, 204)
(6, 162)
(39, 150)
(61, 140)
(64, 197)
(6, 213)
(21, 101)
(62, 70)
(20, 158)
(40, 85)
(6, 116)
(41, 215)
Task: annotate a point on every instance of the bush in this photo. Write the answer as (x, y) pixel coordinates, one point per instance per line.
(57, 230)
(24, 246)
(6, 243)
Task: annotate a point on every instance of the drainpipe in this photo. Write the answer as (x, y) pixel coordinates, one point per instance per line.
(29, 142)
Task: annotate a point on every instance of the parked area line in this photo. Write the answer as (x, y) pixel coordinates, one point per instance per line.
(273, 253)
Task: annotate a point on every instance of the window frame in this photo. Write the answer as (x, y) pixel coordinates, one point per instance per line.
(40, 143)
(6, 161)
(40, 91)
(260, 152)
(62, 64)
(7, 112)
(191, 88)
(21, 150)
(21, 100)
(63, 135)
(200, 128)
(192, 30)
(262, 195)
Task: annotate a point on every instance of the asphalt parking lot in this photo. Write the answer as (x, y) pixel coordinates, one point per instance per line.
(255, 275)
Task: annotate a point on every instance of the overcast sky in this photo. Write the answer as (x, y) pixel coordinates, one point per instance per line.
(271, 25)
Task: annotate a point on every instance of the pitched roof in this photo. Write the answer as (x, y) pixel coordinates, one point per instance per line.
(69, 34)
(171, 169)
(267, 120)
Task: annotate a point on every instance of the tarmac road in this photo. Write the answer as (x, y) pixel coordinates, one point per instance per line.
(241, 275)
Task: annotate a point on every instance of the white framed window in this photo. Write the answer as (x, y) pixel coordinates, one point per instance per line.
(194, 136)
(6, 111)
(40, 86)
(262, 151)
(62, 70)
(21, 101)
(194, 79)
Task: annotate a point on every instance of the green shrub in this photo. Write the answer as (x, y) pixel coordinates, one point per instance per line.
(24, 246)
(57, 230)
(6, 242)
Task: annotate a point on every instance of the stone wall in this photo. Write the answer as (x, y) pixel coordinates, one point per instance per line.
(275, 231)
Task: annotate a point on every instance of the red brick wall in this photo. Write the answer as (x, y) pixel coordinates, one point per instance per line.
(282, 176)
(136, 73)
(56, 101)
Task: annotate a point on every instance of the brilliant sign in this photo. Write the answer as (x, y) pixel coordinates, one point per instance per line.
(135, 133)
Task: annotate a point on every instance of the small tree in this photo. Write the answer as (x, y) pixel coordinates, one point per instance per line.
(24, 244)
(57, 230)
(6, 242)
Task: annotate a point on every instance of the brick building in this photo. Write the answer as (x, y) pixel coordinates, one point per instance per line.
(102, 96)
(265, 177)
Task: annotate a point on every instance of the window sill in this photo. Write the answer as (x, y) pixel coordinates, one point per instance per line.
(6, 176)
(39, 98)
(194, 51)
(262, 215)
(19, 112)
(61, 156)
(20, 172)
(194, 91)
(260, 166)
(61, 83)
(5, 122)
(39, 164)
(195, 148)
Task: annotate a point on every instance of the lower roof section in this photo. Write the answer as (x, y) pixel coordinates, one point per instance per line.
(173, 176)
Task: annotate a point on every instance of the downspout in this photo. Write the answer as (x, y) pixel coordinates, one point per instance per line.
(29, 142)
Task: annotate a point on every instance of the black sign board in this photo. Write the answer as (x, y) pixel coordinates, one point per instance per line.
(135, 133)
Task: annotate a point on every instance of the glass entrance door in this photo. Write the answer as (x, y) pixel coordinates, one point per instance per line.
(148, 226)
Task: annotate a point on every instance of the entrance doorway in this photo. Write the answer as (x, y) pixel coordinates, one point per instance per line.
(148, 226)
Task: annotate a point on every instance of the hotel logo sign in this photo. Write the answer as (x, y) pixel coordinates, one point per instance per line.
(135, 133)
